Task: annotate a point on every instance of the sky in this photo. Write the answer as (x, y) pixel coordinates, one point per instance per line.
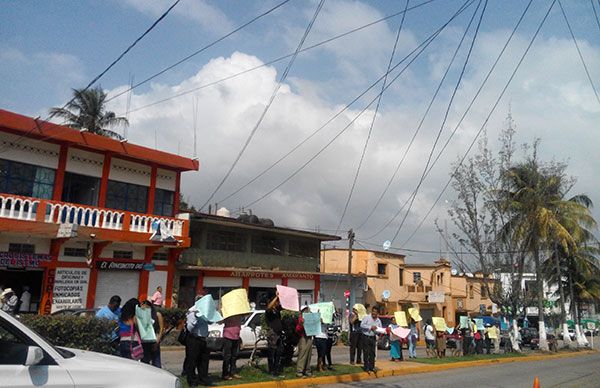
(49, 47)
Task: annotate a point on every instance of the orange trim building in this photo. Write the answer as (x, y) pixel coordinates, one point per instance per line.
(84, 217)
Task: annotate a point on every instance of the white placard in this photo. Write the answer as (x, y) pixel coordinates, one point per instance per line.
(436, 297)
(70, 288)
(67, 230)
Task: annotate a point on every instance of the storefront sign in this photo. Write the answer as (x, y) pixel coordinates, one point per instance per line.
(70, 288)
(22, 260)
(271, 275)
(115, 265)
(436, 297)
(67, 230)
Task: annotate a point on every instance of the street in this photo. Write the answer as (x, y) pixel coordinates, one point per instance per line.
(581, 371)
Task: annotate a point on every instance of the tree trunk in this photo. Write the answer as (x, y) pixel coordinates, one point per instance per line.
(581, 340)
(563, 312)
(540, 288)
(514, 336)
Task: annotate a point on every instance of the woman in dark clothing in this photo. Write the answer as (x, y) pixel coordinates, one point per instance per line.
(128, 332)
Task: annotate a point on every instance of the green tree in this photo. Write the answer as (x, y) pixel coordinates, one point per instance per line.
(87, 110)
(536, 197)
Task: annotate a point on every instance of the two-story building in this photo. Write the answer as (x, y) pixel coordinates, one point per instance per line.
(393, 284)
(248, 252)
(79, 214)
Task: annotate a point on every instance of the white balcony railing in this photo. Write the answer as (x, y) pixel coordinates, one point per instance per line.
(26, 209)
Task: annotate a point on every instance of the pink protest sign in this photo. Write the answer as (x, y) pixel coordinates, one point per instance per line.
(288, 297)
(401, 332)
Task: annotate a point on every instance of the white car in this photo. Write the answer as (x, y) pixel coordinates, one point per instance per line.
(250, 330)
(27, 360)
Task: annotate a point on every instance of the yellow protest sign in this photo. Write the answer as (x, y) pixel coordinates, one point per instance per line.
(362, 311)
(414, 314)
(492, 332)
(439, 323)
(400, 318)
(235, 303)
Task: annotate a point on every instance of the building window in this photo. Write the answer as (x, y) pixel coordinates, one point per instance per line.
(417, 277)
(75, 252)
(225, 241)
(160, 256)
(126, 196)
(401, 276)
(123, 255)
(21, 248)
(26, 179)
(304, 248)
(442, 279)
(471, 295)
(484, 293)
(81, 189)
(163, 202)
(381, 269)
(267, 245)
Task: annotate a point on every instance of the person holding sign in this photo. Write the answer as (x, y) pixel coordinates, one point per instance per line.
(369, 325)
(355, 337)
(275, 337)
(231, 345)
(196, 350)
(304, 347)
(395, 341)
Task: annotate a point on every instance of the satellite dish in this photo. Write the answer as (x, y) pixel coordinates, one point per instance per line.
(387, 245)
(386, 294)
(454, 272)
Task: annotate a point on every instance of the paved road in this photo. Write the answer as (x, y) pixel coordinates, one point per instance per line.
(580, 371)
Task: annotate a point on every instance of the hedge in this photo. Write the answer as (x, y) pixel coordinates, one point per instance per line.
(87, 333)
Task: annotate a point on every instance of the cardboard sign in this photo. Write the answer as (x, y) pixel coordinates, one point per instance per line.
(312, 323)
(479, 323)
(288, 298)
(207, 308)
(414, 314)
(450, 330)
(362, 311)
(235, 302)
(464, 322)
(144, 323)
(439, 323)
(326, 309)
(70, 288)
(401, 332)
(401, 318)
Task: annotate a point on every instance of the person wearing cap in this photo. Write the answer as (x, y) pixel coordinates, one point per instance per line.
(10, 301)
(355, 337)
(304, 347)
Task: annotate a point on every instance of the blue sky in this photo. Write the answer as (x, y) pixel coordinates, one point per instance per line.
(49, 47)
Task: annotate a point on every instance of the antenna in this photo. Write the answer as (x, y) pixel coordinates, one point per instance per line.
(195, 115)
(155, 140)
(128, 106)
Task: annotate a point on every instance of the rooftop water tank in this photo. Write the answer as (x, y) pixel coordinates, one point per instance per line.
(223, 212)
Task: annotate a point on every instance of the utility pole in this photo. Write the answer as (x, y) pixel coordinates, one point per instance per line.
(349, 292)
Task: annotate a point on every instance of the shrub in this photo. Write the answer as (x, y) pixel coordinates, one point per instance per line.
(344, 338)
(87, 333)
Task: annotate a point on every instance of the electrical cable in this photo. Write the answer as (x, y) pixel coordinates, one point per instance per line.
(485, 122)
(95, 79)
(444, 120)
(596, 13)
(364, 151)
(587, 72)
(479, 90)
(198, 51)
(266, 109)
(212, 83)
(416, 132)
(429, 40)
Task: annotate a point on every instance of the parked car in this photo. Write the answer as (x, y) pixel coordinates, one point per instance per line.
(527, 334)
(78, 312)
(28, 360)
(249, 333)
(552, 344)
(571, 335)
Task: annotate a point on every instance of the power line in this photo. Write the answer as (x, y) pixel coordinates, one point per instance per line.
(416, 132)
(132, 45)
(587, 72)
(429, 40)
(199, 50)
(212, 83)
(445, 117)
(347, 106)
(479, 90)
(596, 13)
(364, 151)
(266, 109)
(485, 122)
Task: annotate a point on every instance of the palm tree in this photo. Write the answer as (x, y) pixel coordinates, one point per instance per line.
(535, 197)
(86, 110)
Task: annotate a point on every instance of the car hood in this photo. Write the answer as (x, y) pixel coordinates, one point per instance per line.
(91, 369)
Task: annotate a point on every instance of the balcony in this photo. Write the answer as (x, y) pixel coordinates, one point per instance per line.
(51, 212)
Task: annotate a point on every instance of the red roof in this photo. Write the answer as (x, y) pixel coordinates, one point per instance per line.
(44, 130)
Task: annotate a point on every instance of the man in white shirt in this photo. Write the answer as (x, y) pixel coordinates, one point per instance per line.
(430, 339)
(25, 300)
(369, 326)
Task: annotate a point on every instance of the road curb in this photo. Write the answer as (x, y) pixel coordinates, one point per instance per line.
(355, 377)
